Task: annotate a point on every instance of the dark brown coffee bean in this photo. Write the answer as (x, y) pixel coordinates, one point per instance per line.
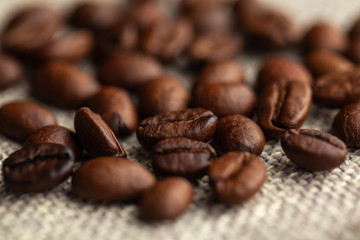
(215, 47)
(163, 94)
(95, 136)
(167, 40)
(282, 106)
(29, 29)
(347, 125)
(225, 98)
(325, 36)
(227, 71)
(182, 157)
(129, 70)
(237, 132)
(196, 123)
(313, 150)
(353, 51)
(338, 89)
(37, 168)
(111, 179)
(237, 176)
(63, 84)
(321, 62)
(168, 199)
(355, 30)
(19, 119)
(115, 108)
(56, 134)
(96, 16)
(72, 46)
(10, 71)
(276, 69)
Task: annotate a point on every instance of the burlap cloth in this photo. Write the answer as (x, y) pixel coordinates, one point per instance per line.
(293, 203)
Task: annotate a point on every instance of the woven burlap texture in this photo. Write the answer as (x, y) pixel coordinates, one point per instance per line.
(293, 203)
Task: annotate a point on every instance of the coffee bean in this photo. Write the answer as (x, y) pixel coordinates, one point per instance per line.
(167, 40)
(227, 71)
(182, 157)
(63, 84)
(30, 29)
(325, 36)
(277, 68)
(96, 16)
(321, 62)
(19, 119)
(11, 71)
(353, 51)
(111, 179)
(347, 125)
(56, 134)
(355, 30)
(282, 106)
(196, 123)
(237, 176)
(115, 108)
(215, 47)
(237, 132)
(338, 89)
(129, 70)
(225, 98)
(72, 46)
(38, 167)
(163, 94)
(313, 150)
(168, 199)
(95, 136)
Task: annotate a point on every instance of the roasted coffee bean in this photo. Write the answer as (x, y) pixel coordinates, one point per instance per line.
(38, 167)
(19, 119)
(56, 134)
(95, 136)
(129, 70)
(196, 123)
(227, 71)
(225, 98)
(96, 16)
(168, 199)
(353, 51)
(29, 29)
(237, 176)
(313, 150)
(63, 84)
(347, 125)
(167, 40)
(338, 89)
(282, 106)
(182, 157)
(240, 133)
(10, 71)
(111, 179)
(163, 94)
(215, 47)
(355, 30)
(72, 46)
(321, 62)
(276, 69)
(325, 36)
(116, 109)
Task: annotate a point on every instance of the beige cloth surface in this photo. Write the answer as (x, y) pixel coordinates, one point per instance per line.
(293, 204)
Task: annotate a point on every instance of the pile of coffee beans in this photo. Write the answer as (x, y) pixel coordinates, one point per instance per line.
(218, 128)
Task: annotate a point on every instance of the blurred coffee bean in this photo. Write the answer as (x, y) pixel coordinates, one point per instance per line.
(162, 94)
(63, 84)
(321, 62)
(144, 13)
(19, 119)
(224, 98)
(129, 70)
(11, 71)
(355, 30)
(325, 36)
(354, 50)
(116, 108)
